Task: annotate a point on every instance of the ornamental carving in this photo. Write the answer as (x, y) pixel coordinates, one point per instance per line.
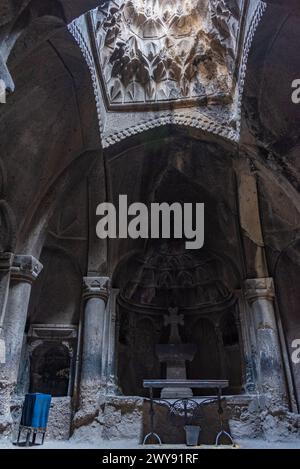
(155, 51)
(165, 274)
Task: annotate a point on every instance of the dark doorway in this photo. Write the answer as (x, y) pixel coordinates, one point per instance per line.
(50, 370)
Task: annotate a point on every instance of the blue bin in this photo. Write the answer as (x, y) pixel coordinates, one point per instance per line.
(36, 410)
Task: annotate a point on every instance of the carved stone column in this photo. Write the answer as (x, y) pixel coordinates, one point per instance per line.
(250, 222)
(24, 271)
(6, 260)
(96, 293)
(110, 373)
(247, 342)
(260, 295)
(260, 319)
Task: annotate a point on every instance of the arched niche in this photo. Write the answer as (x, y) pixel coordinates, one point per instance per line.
(50, 369)
(163, 275)
(53, 317)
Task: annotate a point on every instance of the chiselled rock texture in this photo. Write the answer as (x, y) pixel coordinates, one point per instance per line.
(60, 419)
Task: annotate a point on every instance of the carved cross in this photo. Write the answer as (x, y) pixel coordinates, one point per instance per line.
(174, 320)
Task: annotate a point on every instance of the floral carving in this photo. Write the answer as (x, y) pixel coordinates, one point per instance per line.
(166, 50)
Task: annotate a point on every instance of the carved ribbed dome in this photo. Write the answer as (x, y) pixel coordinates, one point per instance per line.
(172, 275)
(166, 50)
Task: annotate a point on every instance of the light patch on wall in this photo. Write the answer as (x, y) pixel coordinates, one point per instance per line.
(2, 352)
(2, 92)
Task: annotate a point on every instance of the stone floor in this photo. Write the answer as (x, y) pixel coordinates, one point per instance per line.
(242, 444)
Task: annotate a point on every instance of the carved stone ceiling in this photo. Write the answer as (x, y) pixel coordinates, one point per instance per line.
(164, 50)
(172, 61)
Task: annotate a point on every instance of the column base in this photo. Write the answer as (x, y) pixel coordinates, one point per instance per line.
(113, 389)
(91, 396)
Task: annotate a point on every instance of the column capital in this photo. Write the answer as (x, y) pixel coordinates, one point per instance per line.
(25, 268)
(259, 288)
(96, 287)
(6, 261)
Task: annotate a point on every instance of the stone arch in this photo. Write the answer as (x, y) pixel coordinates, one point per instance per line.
(148, 283)
(56, 156)
(32, 233)
(50, 365)
(56, 295)
(160, 131)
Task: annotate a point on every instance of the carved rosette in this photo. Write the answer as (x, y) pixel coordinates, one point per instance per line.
(96, 287)
(168, 50)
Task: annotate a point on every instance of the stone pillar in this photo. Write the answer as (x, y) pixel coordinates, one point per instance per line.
(259, 289)
(250, 223)
(260, 295)
(24, 271)
(248, 340)
(110, 373)
(6, 260)
(96, 293)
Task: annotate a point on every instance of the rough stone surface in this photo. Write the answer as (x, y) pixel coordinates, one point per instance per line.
(262, 418)
(117, 418)
(6, 390)
(60, 418)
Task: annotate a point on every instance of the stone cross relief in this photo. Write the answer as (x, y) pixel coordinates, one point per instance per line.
(174, 320)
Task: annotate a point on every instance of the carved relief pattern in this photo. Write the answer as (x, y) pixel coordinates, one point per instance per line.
(192, 281)
(165, 50)
(225, 123)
